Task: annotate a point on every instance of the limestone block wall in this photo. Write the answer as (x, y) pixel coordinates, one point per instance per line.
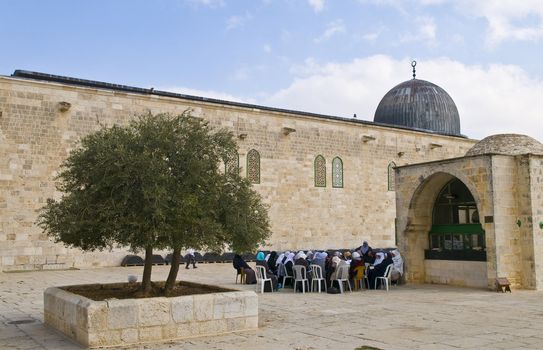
(536, 222)
(524, 225)
(36, 136)
(117, 322)
(457, 273)
(508, 186)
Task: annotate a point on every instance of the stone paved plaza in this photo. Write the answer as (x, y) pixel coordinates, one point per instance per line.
(407, 317)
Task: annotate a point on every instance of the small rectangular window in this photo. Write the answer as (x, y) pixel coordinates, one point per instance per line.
(447, 242)
(458, 242)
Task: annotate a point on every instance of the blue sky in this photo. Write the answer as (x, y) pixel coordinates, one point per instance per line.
(334, 57)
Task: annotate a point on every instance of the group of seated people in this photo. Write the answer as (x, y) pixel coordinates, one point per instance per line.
(277, 265)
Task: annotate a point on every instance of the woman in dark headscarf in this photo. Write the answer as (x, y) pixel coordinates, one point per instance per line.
(240, 264)
(261, 261)
(272, 262)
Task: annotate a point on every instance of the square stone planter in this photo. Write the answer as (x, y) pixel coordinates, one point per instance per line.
(116, 322)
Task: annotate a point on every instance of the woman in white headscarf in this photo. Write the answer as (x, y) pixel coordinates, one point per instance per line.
(379, 257)
(300, 259)
(280, 259)
(280, 262)
(336, 263)
(319, 258)
(379, 269)
(289, 262)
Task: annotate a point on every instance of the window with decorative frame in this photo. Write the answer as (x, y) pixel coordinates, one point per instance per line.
(231, 164)
(391, 176)
(337, 173)
(320, 171)
(253, 166)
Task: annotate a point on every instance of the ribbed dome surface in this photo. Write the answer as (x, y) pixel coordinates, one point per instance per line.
(508, 144)
(419, 104)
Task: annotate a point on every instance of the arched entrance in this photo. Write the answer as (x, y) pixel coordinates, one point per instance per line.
(443, 239)
(456, 232)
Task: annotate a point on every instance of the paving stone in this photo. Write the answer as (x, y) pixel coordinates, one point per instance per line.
(407, 317)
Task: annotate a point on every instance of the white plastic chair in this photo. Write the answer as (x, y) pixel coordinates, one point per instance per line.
(385, 278)
(318, 278)
(283, 272)
(300, 276)
(262, 278)
(342, 276)
(367, 277)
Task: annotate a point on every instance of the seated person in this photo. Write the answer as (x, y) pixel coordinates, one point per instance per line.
(356, 262)
(364, 250)
(240, 264)
(300, 259)
(289, 262)
(279, 261)
(272, 262)
(382, 261)
(369, 258)
(319, 258)
(261, 261)
(337, 261)
(347, 256)
(310, 256)
(329, 268)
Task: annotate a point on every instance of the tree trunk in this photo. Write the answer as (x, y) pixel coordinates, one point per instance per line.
(147, 267)
(174, 270)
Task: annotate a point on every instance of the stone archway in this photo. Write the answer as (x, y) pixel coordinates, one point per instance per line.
(417, 191)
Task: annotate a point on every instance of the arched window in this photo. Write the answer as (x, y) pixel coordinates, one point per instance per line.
(337, 172)
(391, 176)
(320, 171)
(456, 232)
(231, 164)
(253, 166)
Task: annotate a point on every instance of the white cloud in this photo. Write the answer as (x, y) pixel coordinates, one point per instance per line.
(208, 3)
(238, 20)
(425, 31)
(332, 28)
(491, 99)
(205, 93)
(372, 36)
(317, 5)
(506, 19)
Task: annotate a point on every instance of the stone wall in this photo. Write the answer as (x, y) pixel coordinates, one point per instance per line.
(36, 135)
(508, 185)
(131, 321)
(456, 273)
(535, 222)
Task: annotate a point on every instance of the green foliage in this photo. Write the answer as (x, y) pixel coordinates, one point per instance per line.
(243, 215)
(155, 183)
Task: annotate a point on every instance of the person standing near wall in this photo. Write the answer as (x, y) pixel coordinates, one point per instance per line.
(191, 259)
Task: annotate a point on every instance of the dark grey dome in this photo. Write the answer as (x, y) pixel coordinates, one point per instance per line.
(419, 104)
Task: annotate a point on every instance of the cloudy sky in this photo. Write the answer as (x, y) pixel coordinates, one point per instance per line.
(336, 57)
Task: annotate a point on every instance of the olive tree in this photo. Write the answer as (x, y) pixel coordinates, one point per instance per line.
(158, 183)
